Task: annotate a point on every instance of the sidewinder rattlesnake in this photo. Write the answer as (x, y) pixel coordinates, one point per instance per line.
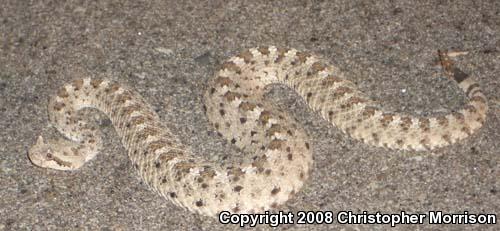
(280, 156)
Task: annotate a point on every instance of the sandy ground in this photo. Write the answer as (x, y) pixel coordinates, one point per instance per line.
(168, 49)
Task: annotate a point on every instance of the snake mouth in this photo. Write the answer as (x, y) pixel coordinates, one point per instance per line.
(41, 155)
(47, 160)
(42, 158)
(40, 161)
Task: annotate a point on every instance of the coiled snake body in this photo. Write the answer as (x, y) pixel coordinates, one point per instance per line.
(281, 156)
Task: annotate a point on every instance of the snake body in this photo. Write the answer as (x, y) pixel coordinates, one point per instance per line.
(279, 151)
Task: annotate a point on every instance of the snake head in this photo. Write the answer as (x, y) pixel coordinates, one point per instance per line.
(42, 154)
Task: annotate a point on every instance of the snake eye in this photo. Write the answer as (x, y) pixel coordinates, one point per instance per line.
(49, 156)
